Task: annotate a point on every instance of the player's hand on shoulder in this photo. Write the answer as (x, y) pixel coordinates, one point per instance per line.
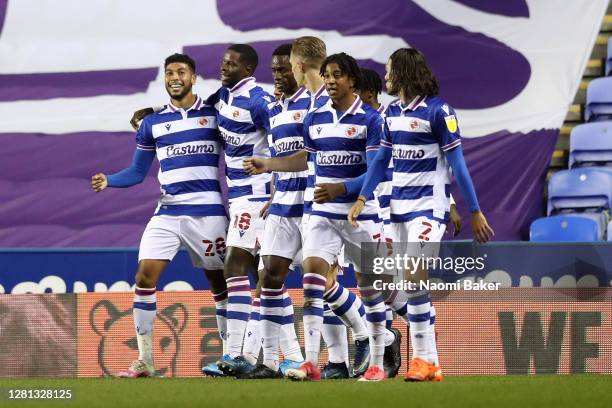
(355, 210)
(325, 192)
(255, 165)
(138, 116)
(98, 182)
(481, 228)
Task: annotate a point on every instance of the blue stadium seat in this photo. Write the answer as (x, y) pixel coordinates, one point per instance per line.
(600, 218)
(599, 100)
(591, 145)
(609, 58)
(563, 228)
(580, 189)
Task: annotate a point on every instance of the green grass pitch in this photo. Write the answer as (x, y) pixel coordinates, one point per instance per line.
(492, 392)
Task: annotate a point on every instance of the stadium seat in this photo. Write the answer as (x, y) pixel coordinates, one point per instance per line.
(563, 228)
(600, 218)
(609, 58)
(581, 189)
(591, 145)
(599, 100)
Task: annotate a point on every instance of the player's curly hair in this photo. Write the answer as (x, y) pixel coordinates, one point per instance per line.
(347, 65)
(370, 81)
(410, 73)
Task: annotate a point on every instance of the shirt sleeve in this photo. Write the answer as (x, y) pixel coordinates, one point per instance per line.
(462, 175)
(445, 127)
(376, 130)
(271, 145)
(368, 181)
(213, 99)
(144, 136)
(141, 163)
(385, 140)
(308, 144)
(260, 113)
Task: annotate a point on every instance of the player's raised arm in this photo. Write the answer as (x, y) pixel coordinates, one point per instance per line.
(99, 182)
(134, 174)
(138, 169)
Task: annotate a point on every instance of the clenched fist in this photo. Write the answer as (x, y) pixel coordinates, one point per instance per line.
(99, 182)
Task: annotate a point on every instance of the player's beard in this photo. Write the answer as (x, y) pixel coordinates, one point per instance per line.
(288, 87)
(179, 97)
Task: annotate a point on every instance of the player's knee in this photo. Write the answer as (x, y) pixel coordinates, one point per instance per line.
(238, 263)
(315, 265)
(143, 280)
(271, 279)
(145, 277)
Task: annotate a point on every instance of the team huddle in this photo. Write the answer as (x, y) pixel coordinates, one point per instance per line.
(317, 175)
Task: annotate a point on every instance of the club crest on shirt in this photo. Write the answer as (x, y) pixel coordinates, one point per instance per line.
(236, 114)
(351, 131)
(297, 116)
(414, 124)
(451, 123)
(203, 122)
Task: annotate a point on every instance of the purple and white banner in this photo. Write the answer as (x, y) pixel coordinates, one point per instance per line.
(72, 73)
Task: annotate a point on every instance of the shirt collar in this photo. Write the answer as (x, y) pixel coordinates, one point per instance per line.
(381, 108)
(414, 104)
(355, 106)
(297, 94)
(350, 111)
(241, 85)
(196, 105)
(319, 92)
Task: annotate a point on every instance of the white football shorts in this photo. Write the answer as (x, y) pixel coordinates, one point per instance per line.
(325, 237)
(419, 237)
(282, 237)
(246, 226)
(204, 238)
